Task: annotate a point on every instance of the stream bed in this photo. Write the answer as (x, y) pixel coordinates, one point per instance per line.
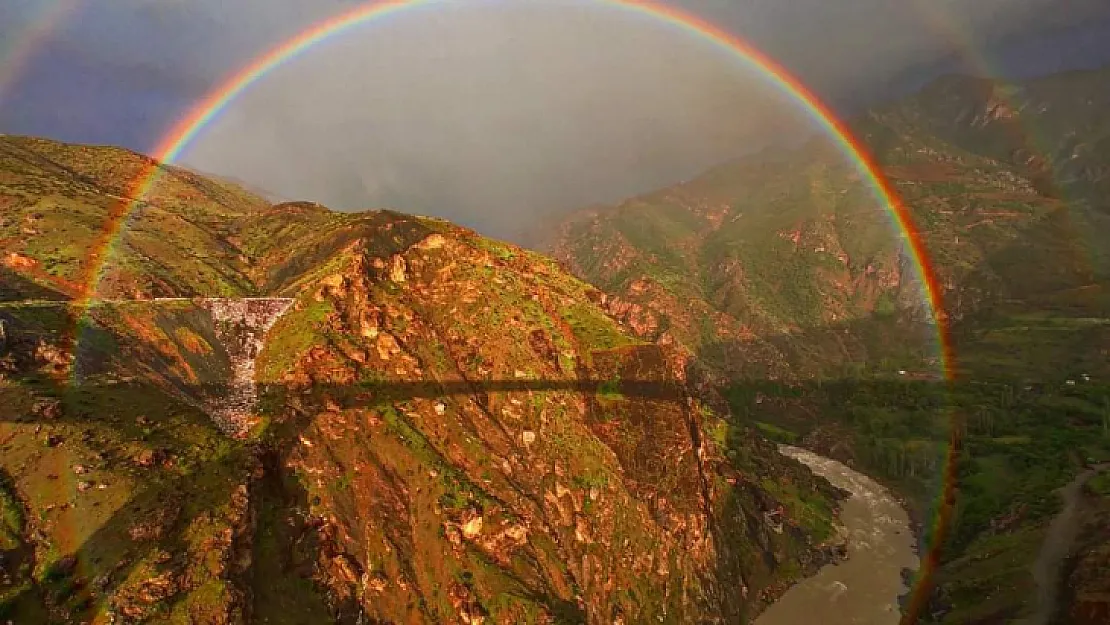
(865, 588)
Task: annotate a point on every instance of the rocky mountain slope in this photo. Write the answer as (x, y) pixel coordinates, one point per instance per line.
(442, 428)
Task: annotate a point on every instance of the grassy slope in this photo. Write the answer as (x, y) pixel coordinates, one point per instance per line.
(57, 203)
(118, 487)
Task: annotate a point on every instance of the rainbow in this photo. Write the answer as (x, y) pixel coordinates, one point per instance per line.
(188, 128)
(20, 49)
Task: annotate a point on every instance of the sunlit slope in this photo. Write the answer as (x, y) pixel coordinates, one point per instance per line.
(60, 204)
(451, 428)
(471, 476)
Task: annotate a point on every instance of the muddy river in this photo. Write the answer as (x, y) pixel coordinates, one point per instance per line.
(865, 588)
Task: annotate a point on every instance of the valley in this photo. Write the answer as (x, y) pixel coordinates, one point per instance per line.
(280, 413)
(779, 271)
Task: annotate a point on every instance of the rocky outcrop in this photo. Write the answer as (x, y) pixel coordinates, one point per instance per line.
(241, 325)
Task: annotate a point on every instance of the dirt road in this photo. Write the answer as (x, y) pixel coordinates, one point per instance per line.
(1062, 532)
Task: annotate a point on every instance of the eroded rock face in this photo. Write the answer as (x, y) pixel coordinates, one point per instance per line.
(450, 418)
(241, 324)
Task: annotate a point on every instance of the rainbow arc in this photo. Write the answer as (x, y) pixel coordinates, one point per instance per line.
(204, 112)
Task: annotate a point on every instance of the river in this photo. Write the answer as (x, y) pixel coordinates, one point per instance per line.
(864, 589)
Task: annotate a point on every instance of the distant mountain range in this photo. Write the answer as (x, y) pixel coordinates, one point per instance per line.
(1007, 184)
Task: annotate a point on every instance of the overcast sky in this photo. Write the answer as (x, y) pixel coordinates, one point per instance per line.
(494, 112)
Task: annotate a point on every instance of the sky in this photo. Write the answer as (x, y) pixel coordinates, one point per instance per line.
(496, 113)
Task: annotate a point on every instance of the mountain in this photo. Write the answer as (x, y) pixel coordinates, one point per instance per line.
(782, 273)
(266, 194)
(284, 414)
(788, 242)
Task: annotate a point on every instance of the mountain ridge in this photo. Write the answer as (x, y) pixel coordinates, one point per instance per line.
(445, 427)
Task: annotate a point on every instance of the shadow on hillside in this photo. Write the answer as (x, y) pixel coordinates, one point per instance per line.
(302, 405)
(15, 288)
(859, 341)
(824, 361)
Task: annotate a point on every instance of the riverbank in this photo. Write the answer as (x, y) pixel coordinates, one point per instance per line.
(865, 588)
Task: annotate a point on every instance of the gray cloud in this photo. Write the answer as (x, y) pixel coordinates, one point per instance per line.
(495, 112)
(494, 115)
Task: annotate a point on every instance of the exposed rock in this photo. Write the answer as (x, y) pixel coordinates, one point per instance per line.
(397, 268)
(148, 458)
(47, 409)
(19, 262)
(432, 242)
(387, 346)
(472, 528)
(241, 324)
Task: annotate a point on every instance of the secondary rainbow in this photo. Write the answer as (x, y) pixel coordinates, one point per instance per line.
(207, 110)
(18, 51)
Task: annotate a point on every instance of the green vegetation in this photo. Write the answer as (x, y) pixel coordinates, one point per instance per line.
(592, 329)
(610, 390)
(282, 594)
(1023, 427)
(797, 291)
(294, 333)
(11, 517)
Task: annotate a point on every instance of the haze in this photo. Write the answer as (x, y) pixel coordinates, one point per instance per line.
(495, 115)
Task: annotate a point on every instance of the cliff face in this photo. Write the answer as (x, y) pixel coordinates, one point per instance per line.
(421, 425)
